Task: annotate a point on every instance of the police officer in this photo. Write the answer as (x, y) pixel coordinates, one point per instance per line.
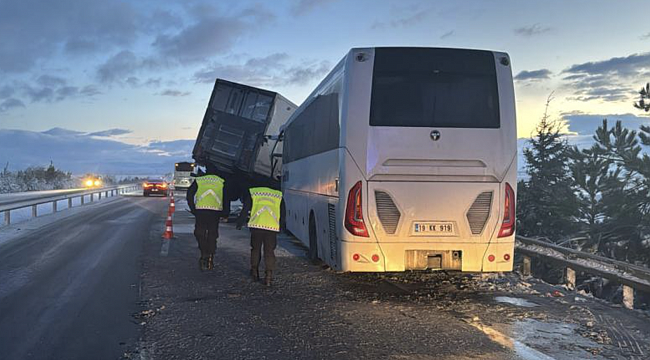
(205, 199)
(264, 204)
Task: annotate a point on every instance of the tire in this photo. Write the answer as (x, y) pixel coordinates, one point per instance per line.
(145, 194)
(313, 239)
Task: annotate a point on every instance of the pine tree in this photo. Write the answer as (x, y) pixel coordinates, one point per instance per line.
(624, 193)
(644, 95)
(589, 168)
(547, 206)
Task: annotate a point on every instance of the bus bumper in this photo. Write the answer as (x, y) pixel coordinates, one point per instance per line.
(497, 256)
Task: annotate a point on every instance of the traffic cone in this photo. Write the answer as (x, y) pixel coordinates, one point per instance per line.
(172, 206)
(169, 229)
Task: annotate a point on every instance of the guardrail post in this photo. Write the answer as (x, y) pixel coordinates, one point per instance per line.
(34, 210)
(92, 197)
(54, 206)
(628, 297)
(570, 275)
(70, 203)
(527, 266)
(99, 195)
(83, 199)
(7, 217)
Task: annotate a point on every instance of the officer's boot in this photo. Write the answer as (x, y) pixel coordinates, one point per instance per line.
(202, 263)
(255, 274)
(210, 262)
(268, 278)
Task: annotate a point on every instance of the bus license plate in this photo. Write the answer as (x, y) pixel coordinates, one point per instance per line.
(433, 228)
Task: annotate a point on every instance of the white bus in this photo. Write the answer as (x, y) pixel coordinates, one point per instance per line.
(405, 159)
(182, 179)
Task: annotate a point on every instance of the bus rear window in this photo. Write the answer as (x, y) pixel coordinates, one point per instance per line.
(444, 88)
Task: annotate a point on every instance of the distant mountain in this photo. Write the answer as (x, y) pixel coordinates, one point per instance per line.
(81, 153)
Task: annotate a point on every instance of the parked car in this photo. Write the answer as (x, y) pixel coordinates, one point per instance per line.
(155, 186)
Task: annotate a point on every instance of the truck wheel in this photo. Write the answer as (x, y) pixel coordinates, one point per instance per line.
(313, 239)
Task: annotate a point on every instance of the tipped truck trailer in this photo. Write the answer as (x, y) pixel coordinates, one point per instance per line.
(239, 128)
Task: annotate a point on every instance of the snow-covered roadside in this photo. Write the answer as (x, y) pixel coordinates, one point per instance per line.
(22, 222)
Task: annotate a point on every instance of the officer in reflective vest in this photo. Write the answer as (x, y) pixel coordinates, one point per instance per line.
(205, 199)
(264, 205)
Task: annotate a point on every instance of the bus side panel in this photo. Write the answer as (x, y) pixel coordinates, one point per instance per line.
(296, 208)
(327, 245)
(308, 185)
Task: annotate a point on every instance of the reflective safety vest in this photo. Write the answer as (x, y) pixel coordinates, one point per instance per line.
(265, 212)
(209, 195)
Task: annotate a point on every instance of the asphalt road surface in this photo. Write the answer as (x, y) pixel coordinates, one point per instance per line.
(101, 283)
(314, 313)
(68, 290)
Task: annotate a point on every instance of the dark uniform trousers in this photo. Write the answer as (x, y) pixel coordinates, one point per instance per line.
(206, 230)
(267, 238)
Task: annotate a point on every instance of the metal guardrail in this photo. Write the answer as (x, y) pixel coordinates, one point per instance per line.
(38, 199)
(629, 275)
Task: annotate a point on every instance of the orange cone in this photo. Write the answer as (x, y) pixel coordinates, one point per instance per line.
(169, 229)
(172, 206)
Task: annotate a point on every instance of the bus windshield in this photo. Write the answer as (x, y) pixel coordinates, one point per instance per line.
(445, 88)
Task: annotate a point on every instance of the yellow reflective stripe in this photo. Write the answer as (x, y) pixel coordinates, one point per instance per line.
(262, 210)
(206, 193)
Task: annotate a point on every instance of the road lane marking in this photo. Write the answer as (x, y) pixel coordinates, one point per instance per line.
(164, 249)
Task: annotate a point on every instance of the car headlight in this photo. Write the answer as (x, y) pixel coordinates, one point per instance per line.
(89, 183)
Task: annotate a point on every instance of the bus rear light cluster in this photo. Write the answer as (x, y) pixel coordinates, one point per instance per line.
(375, 258)
(354, 212)
(491, 258)
(506, 257)
(508, 224)
(356, 257)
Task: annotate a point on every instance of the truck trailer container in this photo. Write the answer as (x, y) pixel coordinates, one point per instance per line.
(239, 131)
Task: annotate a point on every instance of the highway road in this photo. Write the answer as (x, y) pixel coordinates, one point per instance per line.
(99, 282)
(68, 290)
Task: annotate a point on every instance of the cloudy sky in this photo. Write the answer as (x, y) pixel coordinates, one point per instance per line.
(140, 72)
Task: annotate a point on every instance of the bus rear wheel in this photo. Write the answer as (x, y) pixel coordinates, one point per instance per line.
(313, 240)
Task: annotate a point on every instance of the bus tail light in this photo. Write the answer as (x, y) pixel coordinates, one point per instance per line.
(508, 224)
(354, 212)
